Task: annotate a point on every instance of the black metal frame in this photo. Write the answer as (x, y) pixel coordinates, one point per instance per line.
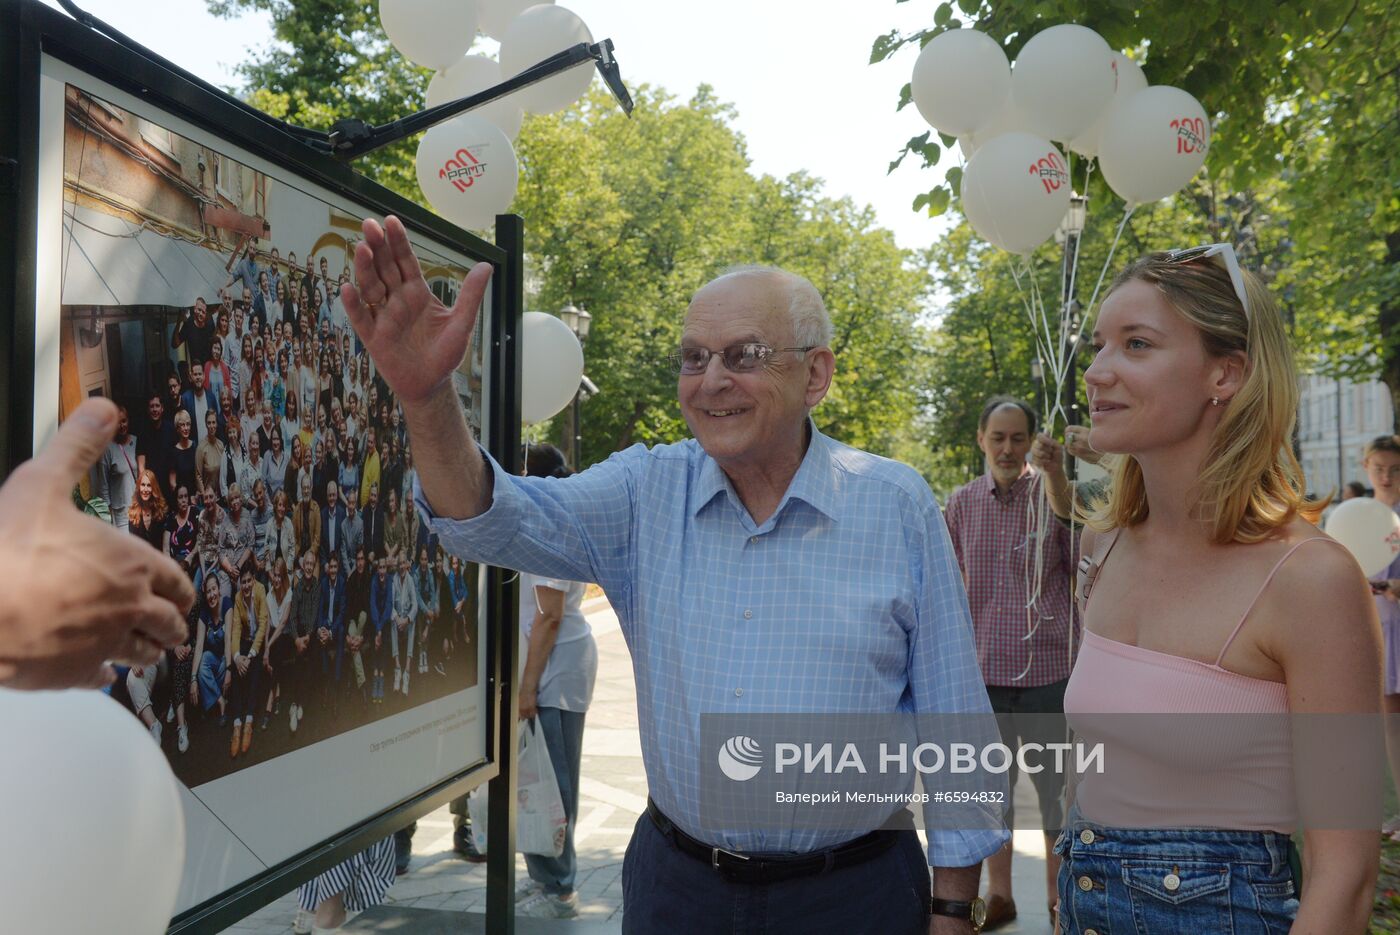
(28, 32)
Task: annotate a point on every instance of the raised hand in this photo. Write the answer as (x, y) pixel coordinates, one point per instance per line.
(78, 592)
(415, 341)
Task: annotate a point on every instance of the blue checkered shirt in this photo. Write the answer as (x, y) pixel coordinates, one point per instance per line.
(847, 599)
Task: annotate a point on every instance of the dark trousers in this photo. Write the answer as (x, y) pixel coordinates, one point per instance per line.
(243, 690)
(1033, 715)
(666, 891)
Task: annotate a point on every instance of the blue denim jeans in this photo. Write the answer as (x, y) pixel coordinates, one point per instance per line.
(1116, 881)
(666, 891)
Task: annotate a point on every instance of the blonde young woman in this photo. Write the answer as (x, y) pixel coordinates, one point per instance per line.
(1208, 592)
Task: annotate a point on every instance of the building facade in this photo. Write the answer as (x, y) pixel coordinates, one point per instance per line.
(1336, 418)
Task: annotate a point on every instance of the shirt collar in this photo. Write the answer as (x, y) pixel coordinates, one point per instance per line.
(989, 484)
(814, 483)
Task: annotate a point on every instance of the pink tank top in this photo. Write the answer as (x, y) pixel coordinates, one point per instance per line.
(1171, 760)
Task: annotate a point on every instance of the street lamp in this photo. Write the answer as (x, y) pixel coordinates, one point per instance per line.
(579, 322)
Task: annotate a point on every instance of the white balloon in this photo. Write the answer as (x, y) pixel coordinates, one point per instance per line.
(1015, 191)
(551, 366)
(1369, 529)
(472, 74)
(94, 831)
(532, 37)
(431, 33)
(1063, 80)
(961, 79)
(467, 170)
(495, 15)
(1130, 80)
(1153, 144)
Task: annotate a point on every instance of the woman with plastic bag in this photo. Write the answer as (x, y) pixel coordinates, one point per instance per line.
(561, 663)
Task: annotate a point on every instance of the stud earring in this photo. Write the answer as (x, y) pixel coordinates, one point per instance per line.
(1215, 400)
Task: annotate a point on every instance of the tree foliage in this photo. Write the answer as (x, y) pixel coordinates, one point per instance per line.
(1303, 167)
(628, 218)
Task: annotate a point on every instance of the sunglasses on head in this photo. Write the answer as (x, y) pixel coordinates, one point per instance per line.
(1224, 256)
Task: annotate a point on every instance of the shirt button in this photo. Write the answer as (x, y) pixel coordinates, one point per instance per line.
(748, 615)
(738, 693)
(1172, 882)
(1086, 836)
(753, 538)
(1086, 884)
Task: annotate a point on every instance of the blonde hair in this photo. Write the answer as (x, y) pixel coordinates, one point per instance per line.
(1250, 483)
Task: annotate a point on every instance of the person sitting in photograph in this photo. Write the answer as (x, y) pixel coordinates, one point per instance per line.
(195, 332)
(446, 620)
(140, 687)
(277, 649)
(215, 611)
(405, 615)
(182, 531)
(357, 587)
(146, 515)
(199, 401)
(114, 474)
(179, 661)
(280, 537)
(248, 629)
(425, 580)
(381, 617)
(457, 582)
(298, 636)
(330, 637)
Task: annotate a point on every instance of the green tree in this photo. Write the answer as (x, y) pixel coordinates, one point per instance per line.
(1304, 151)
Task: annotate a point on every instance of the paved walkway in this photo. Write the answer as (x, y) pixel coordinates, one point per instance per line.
(612, 796)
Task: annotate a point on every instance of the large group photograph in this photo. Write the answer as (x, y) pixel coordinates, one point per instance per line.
(257, 446)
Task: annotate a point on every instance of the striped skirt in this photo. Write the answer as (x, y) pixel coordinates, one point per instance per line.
(364, 879)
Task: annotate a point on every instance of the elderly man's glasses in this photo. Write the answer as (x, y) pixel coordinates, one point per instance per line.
(737, 358)
(1224, 256)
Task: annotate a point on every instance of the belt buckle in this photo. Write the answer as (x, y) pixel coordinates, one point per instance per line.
(716, 851)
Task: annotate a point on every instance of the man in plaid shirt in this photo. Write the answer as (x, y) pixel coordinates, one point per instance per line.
(1016, 560)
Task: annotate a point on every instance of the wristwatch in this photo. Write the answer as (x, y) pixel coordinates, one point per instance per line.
(974, 911)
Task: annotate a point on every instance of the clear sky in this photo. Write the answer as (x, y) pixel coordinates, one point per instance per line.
(796, 70)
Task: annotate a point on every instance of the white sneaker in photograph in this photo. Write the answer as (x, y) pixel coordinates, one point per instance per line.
(182, 738)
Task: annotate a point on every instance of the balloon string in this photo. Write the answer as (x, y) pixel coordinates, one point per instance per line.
(1113, 247)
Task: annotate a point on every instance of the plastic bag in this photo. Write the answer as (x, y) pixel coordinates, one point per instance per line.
(540, 822)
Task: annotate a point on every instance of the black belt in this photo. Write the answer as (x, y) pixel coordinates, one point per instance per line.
(752, 868)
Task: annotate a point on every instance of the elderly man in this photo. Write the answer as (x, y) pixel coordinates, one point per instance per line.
(759, 567)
